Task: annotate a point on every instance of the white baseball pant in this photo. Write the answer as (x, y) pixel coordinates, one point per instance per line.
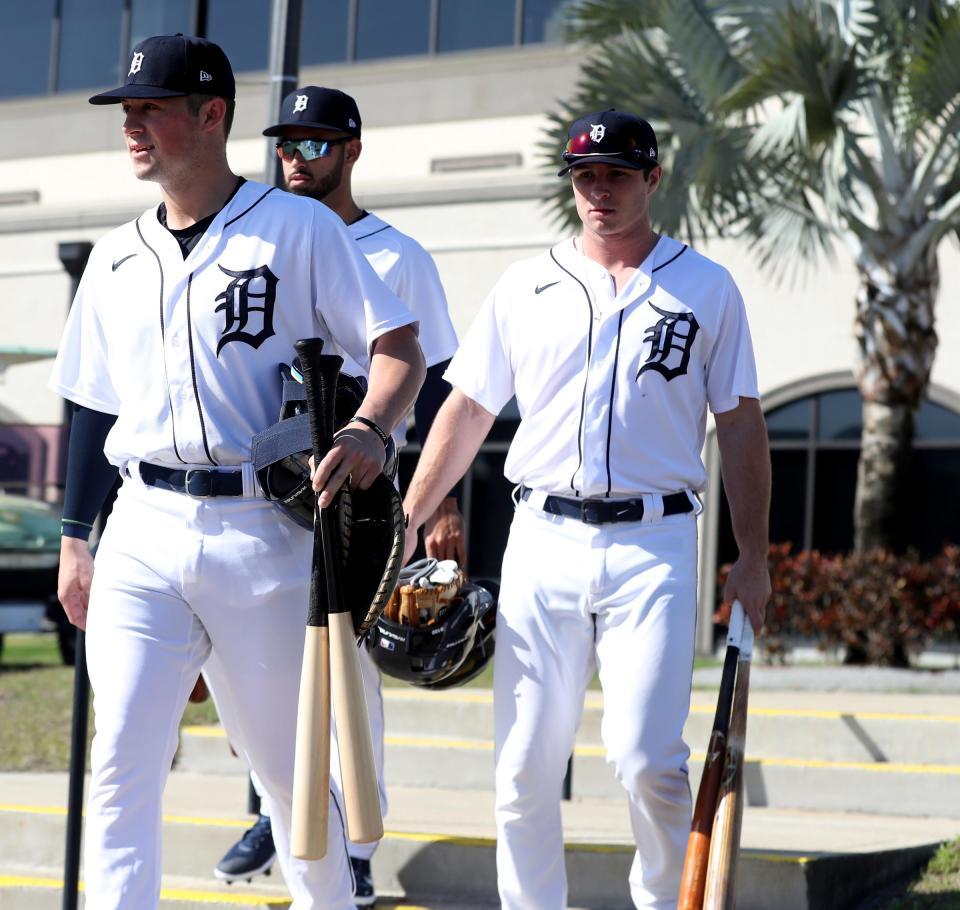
(622, 598)
(178, 579)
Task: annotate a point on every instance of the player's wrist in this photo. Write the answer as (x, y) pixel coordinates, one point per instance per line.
(372, 425)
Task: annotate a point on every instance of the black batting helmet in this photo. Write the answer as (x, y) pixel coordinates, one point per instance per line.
(445, 652)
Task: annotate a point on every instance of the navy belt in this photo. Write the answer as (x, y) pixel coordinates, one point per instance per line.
(199, 482)
(600, 511)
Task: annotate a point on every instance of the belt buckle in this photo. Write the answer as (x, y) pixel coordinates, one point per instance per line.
(203, 487)
(591, 512)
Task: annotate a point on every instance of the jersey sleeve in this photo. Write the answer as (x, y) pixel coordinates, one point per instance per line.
(731, 367)
(342, 279)
(482, 367)
(418, 284)
(81, 372)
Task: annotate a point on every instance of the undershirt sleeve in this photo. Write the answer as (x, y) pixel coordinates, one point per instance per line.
(89, 475)
(433, 393)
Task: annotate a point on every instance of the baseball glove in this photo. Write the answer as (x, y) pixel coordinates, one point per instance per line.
(426, 590)
(372, 534)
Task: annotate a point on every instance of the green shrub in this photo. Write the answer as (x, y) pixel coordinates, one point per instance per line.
(882, 607)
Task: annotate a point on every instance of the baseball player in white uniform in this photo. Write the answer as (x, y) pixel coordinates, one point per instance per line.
(318, 141)
(175, 338)
(615, 343)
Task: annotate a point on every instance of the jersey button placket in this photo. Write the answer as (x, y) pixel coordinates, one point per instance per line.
(597, 409)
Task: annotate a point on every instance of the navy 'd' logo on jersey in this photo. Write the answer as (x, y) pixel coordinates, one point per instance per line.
(241, 316)
(670, 341)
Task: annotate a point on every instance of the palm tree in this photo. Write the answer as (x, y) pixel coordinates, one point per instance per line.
(805, 127)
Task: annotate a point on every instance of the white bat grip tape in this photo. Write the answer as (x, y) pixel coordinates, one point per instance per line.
(735, 629)
(740, 632)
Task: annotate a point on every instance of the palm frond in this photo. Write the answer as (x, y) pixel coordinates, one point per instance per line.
(803, 54)
(934, 77)
(788, 237)
(702, 50)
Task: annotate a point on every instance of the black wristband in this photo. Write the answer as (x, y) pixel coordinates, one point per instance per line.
(373, 426)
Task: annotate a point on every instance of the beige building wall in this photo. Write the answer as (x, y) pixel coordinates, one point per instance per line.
(451, 156)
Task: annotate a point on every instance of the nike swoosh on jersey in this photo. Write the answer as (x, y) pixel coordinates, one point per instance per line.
(120, 262)
(543, 287)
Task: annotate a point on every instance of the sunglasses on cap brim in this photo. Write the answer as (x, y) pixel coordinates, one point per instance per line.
(584, 145)
(309, 149)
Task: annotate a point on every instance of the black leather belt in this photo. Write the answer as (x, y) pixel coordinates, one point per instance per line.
(199, 482)
(600, 511)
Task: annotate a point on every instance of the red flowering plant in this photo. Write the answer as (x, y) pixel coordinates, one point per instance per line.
(882, 607)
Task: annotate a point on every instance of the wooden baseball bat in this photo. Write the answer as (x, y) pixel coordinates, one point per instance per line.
(357, 769)
(725, 843)
(694, 878)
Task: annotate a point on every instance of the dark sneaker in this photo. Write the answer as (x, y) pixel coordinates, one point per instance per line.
(252, 855)
(363, 893)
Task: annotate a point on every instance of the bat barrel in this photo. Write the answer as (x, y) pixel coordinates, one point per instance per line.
(694, 877)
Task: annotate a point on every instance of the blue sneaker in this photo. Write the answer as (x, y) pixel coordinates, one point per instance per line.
(252, 855)
(363, 893)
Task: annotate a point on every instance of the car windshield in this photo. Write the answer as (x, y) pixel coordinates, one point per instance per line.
(28, 524)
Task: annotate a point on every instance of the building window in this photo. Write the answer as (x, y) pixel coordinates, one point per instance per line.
(90, 44)
(543, 21)
(148, 18)
(242, 29)
(467, 25)
(814, 451)
(73, 45)
(25, 48)
(324, 32)
(392, 28)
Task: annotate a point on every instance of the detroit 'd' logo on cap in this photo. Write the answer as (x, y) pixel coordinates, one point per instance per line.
(135, 64)
(301, 104)
(597, 132)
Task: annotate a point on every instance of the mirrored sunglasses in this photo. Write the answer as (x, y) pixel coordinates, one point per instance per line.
(584, 145)
(309, 149)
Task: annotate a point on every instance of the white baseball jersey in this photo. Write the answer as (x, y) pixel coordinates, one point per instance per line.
(410, 272)
(186, 351)
(628, 377)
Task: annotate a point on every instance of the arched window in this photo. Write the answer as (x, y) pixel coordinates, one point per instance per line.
(814, 449)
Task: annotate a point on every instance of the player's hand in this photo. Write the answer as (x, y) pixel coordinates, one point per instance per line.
(444, 533)
(75, 578)
(357, 453)
(749, 582)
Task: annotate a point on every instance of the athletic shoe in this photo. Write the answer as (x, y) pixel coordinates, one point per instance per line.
(252, 855)
(363, 893)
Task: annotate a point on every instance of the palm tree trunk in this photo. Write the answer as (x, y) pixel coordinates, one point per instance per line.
(894, 328)
(885, 453)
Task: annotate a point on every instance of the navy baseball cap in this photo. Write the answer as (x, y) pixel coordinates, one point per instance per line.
(318, 108)
(170, 66)
(610, 137)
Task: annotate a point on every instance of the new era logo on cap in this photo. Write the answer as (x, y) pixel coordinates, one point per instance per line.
(169, 66)
(316, 107)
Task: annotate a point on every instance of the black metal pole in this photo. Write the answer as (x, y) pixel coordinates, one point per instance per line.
(74, 258)
(284, 72)
(568, 779)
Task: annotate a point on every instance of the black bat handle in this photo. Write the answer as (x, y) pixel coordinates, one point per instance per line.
(320, 372)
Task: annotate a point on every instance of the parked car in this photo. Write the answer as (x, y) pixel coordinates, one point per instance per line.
(29, 561)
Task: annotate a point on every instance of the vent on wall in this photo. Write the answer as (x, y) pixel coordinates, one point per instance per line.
(475, 162)
(19, 197)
